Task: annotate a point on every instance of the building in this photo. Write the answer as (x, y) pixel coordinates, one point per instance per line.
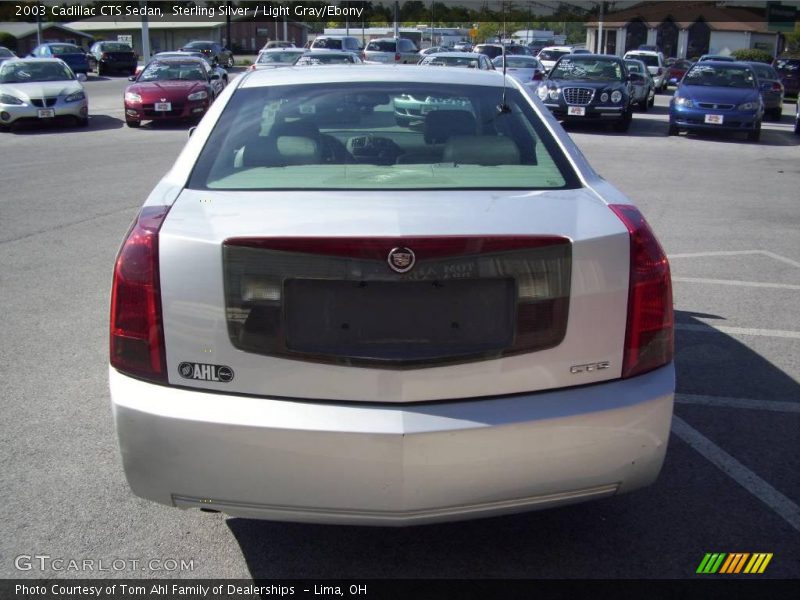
(683, 29)
(247, 35)
(27, 38)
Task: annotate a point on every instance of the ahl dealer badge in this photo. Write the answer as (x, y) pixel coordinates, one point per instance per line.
(205, 372)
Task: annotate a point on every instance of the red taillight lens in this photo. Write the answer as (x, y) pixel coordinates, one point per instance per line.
(777, 87)
(397, 57)
(137, 332)
(649, 341)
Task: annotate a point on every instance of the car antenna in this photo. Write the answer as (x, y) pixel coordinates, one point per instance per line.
(503, 108)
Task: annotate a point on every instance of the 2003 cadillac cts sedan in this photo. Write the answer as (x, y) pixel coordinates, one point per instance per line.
(320, 315)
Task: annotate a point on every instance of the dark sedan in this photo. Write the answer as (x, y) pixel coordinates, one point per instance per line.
(113, 56)
(216, 52)
(718, 96)
(590, 87)
(771, 88)
(71, 54)
(789, 71)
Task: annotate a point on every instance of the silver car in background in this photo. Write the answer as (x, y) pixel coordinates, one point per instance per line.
(275, 58)
(40, 89)
(321, 316)
(466, 60)
(643, 92)
(528, 70)
(391, 51)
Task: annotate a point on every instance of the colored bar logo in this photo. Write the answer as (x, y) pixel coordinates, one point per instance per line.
(734, 563)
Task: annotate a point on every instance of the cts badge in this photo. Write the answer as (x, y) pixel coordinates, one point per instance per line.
(205, 372)
(589, 367)
(401, 259)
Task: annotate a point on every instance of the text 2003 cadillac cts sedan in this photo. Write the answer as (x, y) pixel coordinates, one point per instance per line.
(321, 316)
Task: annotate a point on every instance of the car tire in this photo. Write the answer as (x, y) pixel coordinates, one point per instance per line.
(652, 102)
(755, 135)
(99, 70)
(230, 62)
(624, 123)
(776, 113)
(797, 127)
(673, 130)
(133, 124)
(644, 105)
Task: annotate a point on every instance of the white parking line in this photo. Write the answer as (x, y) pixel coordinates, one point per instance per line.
(707, 328)
(760, 284)
(778, 257)
(746, 403)
(780, 504)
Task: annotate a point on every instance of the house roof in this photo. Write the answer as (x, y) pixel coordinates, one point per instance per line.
(684, 14)
(20, 29)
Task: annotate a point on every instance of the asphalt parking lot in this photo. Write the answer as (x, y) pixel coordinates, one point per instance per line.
(726, 211)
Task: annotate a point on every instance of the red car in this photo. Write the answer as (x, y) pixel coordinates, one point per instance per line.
(170, 88)
(677, 70)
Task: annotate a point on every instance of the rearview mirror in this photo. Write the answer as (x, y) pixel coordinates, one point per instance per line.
(191, 130)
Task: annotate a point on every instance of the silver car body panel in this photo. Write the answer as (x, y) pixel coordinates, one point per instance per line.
(391, 465)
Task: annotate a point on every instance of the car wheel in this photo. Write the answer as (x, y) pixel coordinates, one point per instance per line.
(652, 102)
(229, 62)
(644, 105)
(755, 135)
(99, 70)
(624, 123)
(776, 113)
(673, 130)
(133, 124)
(797, 127)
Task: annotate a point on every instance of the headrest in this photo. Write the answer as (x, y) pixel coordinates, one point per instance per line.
(486, 150)
(442, 124)
(281, 151)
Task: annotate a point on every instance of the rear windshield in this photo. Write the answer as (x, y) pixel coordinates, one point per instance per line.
(764, 71)
(116, 47)
(468, 62)
(490, 51)
(200, 45)
(380, 136)
(708, 75)
(650, 60)
(324, 58)
(381, 46)
(785, 65)
(517, 62)
(552, 54)
(27, 72)
(327, 43)
(57, 49)
(282, 58)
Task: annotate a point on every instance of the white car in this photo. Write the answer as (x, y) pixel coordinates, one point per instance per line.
(549, 55)
(339, 320)
(40, 89)
(655, 64)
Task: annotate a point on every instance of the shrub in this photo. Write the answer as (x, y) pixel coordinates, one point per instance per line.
(8, 40)
(752, 54)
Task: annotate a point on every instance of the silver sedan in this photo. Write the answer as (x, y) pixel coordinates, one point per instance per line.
(40, 89)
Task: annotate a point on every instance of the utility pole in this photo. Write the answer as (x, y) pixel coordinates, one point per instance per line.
(600, 30)
(145, 32)
(38, 24)
(228, 26)
(396, 19)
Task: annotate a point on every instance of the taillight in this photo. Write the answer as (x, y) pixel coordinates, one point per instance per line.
(397, 57)
(137, 332)
(776, 86)
(649, 341)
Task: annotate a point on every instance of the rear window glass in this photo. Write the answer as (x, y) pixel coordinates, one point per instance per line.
(380, 136)
(65, 49)
(327, 43)
(283, 58)
(116, 47)
(552, 54)
(787, 65)
(334, 58)
(650, 60)
(765, 72)
(381, 46)
(468, 62)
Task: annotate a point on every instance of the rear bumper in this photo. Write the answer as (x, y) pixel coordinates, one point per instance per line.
(391, 465)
